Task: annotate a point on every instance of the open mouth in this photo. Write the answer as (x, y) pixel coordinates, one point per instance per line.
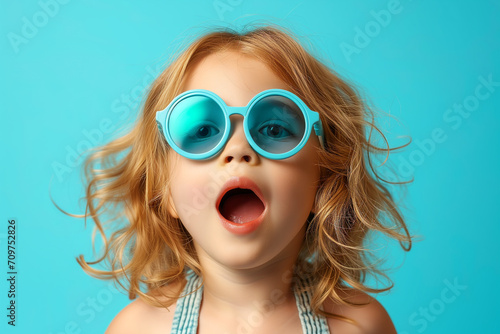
(240, 206)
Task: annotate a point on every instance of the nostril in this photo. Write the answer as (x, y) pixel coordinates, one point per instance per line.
(247, 158)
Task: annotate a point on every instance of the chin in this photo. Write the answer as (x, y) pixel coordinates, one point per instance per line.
(236, 257)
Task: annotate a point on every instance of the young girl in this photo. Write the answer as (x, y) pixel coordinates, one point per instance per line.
(247, 196)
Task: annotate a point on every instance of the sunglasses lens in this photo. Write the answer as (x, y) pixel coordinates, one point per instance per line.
(276, 124)
(196, 124)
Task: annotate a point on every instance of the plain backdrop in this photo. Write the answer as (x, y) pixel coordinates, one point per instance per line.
(72, 73)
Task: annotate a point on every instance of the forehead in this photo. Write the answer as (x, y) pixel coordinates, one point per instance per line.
(235, 77)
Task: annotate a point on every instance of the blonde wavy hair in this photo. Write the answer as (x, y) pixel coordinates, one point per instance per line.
(128, 178)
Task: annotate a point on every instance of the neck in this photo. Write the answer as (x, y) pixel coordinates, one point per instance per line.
(262, 288)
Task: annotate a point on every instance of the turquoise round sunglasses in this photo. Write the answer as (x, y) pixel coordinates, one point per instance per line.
(277, 123)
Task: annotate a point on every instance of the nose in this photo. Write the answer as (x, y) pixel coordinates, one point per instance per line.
(237, 148)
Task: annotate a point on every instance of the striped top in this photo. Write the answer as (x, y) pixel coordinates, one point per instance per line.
(187, 310)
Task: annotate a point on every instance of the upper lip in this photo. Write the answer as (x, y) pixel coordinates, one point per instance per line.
(241, 182)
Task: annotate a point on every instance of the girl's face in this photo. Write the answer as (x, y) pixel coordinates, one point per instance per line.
(288, 186)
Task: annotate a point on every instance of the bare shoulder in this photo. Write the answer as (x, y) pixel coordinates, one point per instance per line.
(372, 318)
(141, 317)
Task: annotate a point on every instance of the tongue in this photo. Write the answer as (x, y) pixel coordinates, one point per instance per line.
(242, 208)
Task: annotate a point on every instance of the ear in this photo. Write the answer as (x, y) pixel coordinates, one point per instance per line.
(171, 207)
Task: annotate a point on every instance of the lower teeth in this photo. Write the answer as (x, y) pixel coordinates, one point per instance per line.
(236, 219)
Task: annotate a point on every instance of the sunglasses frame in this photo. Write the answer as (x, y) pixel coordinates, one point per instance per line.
(311, 119)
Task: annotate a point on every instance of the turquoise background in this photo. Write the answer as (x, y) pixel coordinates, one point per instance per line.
(79, 73)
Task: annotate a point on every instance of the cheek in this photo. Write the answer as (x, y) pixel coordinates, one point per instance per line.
(192, 193)
(294, 190)
(295, 183)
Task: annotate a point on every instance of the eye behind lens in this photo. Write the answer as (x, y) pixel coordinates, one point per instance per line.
(197, 124)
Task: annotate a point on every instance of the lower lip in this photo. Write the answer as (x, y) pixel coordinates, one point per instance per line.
(243, 228)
